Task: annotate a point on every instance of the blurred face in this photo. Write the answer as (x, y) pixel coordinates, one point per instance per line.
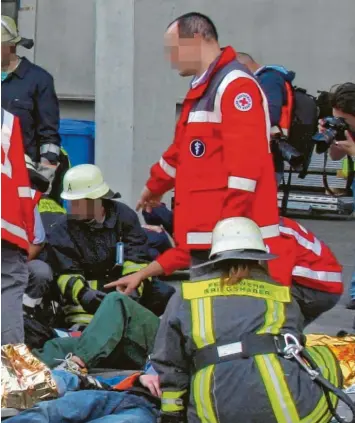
(349, 119)
(86, 209)
(184, 54)
(6, 51)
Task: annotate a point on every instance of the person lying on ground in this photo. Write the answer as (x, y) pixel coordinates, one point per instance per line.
(132, 399)
(100, 240)
(120, 336)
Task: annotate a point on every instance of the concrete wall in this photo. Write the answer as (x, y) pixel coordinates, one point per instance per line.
(136, 92)
(314, 38)
(83, 110)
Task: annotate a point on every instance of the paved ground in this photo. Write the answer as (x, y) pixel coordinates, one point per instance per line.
(340, 236)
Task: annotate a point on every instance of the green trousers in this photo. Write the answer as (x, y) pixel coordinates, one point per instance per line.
(121, 336)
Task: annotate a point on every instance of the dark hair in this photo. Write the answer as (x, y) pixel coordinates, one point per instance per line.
(343, 98)
(196, 23)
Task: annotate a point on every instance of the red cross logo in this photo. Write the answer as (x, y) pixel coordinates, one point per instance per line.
(243, 102)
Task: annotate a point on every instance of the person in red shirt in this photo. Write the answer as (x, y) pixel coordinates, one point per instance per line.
(17, 228)
(310, 266)
(220, 162)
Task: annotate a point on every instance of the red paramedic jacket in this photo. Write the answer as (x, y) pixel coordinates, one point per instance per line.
(220, 162)
(17, 208)
(305, 260)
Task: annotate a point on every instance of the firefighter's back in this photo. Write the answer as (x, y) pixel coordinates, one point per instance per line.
(226, 387)
(223, 349)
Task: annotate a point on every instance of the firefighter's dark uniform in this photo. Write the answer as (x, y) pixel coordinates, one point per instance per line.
(202, 372)
(83, 254)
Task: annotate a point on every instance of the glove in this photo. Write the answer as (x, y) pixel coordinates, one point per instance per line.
(47, 171)
(90, 300)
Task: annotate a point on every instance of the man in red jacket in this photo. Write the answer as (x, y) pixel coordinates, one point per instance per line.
(310, 266)
(17, 228)
(220, 162)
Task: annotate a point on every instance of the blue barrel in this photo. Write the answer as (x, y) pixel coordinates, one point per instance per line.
(78, 140)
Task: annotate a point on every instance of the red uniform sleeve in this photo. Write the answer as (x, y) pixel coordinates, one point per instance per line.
(22, 179)
(162, 174)
(174, 259)
(245, 126)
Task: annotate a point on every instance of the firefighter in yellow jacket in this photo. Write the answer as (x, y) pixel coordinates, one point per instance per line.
(223, 347)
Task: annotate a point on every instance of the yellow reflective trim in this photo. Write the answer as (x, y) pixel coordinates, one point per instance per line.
(270, 368)
(63, 280)
(131, 267)
(247, 287)
(329, 368)
(169, 406)
(46, 205)
(174, 394)
(195, 319)
(83, 319)
(202, 391)
(277, 389)
(207, 305)
(77, 287)
(202, 322)
(172, 401)
(196, 384)
(93, 284)
(140, 289)
(76, 314)
(62, 283)
(274, 318)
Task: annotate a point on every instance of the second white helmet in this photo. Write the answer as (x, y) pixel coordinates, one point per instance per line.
(239, 238)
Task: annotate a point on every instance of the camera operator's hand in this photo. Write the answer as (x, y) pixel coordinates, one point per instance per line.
(348, 145)
(321, 128)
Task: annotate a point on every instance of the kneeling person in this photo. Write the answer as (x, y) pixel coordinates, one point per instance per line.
(222, 337)
(316, 274)
(100, 240)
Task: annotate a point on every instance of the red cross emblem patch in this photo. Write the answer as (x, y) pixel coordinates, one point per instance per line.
(243, 102)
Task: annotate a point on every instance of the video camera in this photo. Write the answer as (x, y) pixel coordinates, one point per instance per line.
(335, 128)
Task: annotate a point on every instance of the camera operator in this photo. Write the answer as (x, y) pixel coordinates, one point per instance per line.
(343, 104)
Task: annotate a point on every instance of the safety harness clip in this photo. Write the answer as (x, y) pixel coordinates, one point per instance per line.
(293, 349)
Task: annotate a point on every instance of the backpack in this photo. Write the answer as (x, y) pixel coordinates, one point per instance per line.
(304, 121)
(303, 125)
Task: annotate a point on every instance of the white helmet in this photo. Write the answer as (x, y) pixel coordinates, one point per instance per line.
(85, 181)
(238, 238)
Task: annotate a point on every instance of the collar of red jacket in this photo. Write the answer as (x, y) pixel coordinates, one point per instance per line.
(228, 55)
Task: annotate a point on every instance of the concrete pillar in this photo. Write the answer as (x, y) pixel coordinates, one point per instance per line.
(114, 91)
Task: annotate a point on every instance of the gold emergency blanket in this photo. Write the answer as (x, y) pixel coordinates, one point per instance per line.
(24, 379)
(344, 350)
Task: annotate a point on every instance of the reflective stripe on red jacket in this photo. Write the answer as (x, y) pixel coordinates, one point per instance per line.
(220, 162)
(17, 208)
(306, 259)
